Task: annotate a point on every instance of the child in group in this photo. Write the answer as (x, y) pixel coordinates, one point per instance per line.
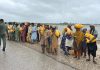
(67, 40)
(84, 44)
(62, 45)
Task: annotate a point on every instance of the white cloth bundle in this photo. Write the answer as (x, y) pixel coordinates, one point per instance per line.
(69, 43)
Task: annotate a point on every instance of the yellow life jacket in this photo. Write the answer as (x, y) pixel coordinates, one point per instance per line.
(68, 31)
(89, 37)
(10, 28)
(57, 33)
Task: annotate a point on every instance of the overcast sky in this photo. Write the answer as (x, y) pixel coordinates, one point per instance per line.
(76, 11)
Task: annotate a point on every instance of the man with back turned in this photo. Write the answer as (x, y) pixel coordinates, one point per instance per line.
(3, 33)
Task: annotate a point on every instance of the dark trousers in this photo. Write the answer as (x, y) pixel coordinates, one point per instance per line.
(3, 37)
(38, 36)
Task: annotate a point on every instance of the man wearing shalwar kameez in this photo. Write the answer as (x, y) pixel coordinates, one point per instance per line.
(24, 33)
(34, 33)
(29, 33)
(17, 31)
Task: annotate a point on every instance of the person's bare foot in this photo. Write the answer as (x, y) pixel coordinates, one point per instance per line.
(87, 59)
(84, 56)
(94, 62)
(75, 57)
(78, 58)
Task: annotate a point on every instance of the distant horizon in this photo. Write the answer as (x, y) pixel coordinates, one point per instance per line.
(51, 23)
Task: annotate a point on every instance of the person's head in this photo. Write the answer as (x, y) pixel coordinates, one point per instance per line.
(92, 27)
(21, 24)
(84, 30)
(69, 26)
(32, 24)
(78, 27)
(46, 27)
(65, 30)
(56, 27)
(1, 20)
(16, 25)
(50, 27)
(53, 29)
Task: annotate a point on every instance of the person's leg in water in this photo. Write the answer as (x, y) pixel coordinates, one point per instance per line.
(56, 51)
(49, 44)
(68, 48)
(88, 55)
(43, 48)
(0, 40)
(94, 60)
(75, 53)
(32, 41)
(53, 50)
(78, 54)
(4, 42)
(84, 52)
(94, 54)
(64, 49)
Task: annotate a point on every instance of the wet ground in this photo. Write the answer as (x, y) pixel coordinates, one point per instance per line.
(21, 57)
(69, 60)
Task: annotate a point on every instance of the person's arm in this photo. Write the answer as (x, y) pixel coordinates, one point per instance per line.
(92, 39)
(96, 34)
(6, 31)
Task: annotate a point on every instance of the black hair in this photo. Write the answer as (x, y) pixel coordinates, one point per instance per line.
(1, 20)
(32, 24)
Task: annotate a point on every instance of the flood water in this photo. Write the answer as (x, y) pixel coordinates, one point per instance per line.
(61, 27)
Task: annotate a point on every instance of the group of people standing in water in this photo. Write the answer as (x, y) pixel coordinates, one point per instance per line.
(35, 33)
(82, 41)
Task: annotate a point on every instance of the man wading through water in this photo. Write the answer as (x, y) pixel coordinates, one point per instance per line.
(3, 33)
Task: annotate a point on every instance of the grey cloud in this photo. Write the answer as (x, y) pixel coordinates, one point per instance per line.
(79, 11)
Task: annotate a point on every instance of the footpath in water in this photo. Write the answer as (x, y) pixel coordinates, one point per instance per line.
(19, 57)
(66, 60)
(81, 64)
